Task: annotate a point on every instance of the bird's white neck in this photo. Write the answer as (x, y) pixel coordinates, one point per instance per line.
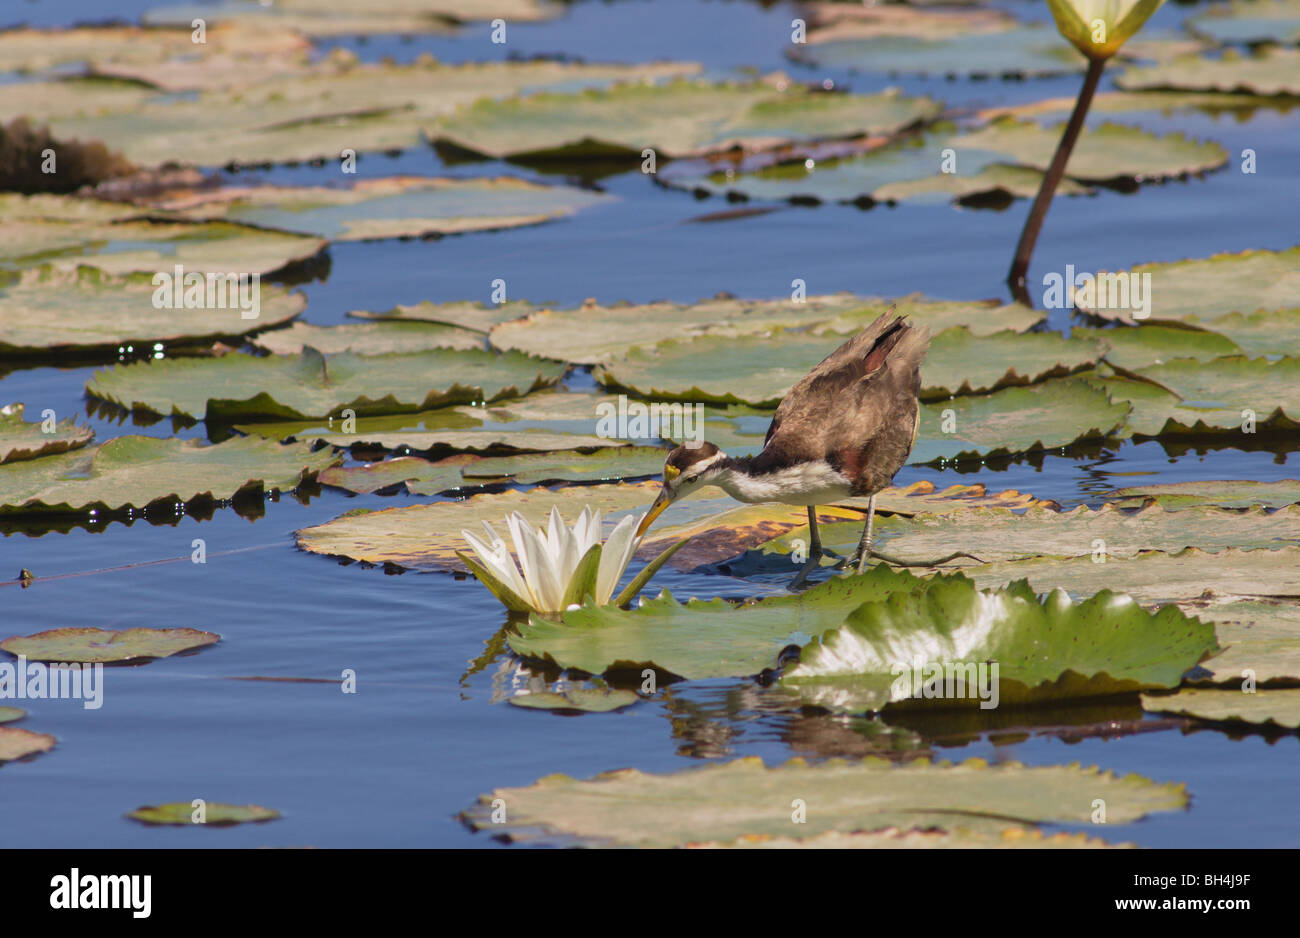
(811, 483)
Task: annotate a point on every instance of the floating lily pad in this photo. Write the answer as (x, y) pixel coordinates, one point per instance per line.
(127, 247)
(431, 478)
(1262, 636)
(922, 497)
(1175, 496)
(1155, 576)
(20, 439)
(1155, 102)
(719, 529)
(1103, 153)
(364, 108)
(1270, 71)
(45, 206)
(1215, 394)
(90, 645)
(182, 813)
(1153, 344)
(427, 537)
(390, 207)
(306, 385)
(136, 471)
(53, 309)
(18, 744)
(591, 700)
(676, 119)
(591, 334)
(993, 180)
(1252, 22)
(891, 838)
(478, 317)
(1258, 333)
(1279, 707)
(614, 462)
(759, 370)
(10, 714)
(744, 798)
(838, 21)
(1026, 51)
(343, 18)
(1047, 650)
(367, 338)
(1016, 420)
(990, 534)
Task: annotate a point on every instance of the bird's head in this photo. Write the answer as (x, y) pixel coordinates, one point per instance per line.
(686, 469)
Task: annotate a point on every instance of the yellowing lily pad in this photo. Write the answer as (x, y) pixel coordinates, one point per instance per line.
(367, 338)
(18, 744)
(136, 471)
(891, 838)
(20, 439)
(1261, 640)
(615, 462)
(215, 814)
(1255, 21)
(923, 498)
(744, 798)
(91, 645)
(1270, 71)
(54, 309)
(479, 317)
(140, 246)
(389, 207)
(243, 387)
(1278, 707)
(676, 119)
(431, 478)
(342, 18)
(1236, 493)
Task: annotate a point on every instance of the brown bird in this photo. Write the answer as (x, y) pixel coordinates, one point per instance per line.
(844, 430)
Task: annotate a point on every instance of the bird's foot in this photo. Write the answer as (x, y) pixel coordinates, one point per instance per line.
(855, 562)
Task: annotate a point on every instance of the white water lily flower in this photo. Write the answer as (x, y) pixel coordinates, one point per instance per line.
(559, 568)
(1098, 28)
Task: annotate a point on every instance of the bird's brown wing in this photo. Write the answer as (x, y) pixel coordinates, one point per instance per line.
(850, 407)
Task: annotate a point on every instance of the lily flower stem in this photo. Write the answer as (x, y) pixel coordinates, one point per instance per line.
(1034, 223)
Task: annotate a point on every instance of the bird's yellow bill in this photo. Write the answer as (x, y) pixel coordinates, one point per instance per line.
(657, 509)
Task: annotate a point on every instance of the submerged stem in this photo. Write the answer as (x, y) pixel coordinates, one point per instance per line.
(1043, 201)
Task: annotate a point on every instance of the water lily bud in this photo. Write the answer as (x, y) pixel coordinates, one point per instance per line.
(1098, 28)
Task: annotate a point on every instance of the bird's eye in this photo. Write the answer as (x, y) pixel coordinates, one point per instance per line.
(671, 472)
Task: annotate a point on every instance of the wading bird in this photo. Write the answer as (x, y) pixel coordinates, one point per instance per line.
(845, 429)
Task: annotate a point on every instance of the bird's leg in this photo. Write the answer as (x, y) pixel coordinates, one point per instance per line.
(814, 550)
(864, 545)
(864, 551)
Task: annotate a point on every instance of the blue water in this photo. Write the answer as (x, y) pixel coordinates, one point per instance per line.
(393, 764)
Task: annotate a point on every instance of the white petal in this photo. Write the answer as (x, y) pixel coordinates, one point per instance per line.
(523, 534)
(499, 563)
(615, 557)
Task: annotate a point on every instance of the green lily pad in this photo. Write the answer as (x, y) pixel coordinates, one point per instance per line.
(1026, 51)
(136, 471)
(1279, 707)
(323, 18)
(1155, 102)
(1154, 343)
(45, 206)
(590, 700)
(50, 309)
(1203, 290)
(891, 838)
(306, 385)
(1215, 394)
(1047, 649)
(18, 744)
(427, 537)
(478, 317)
(1236, 493)
(992, 181)
(20, 439)
(1103, 153)
(676, 119)
(127, 247)
(367, 338)
(389, 207)
(431, 478)
(181, 813)
(759, 370)
(1258, 333)
(90, 645)
(1270, 71)
(1017, 420)
(1155, 576)
(743, 798)
(840, 21)
(613, 462)
(592, 334)
(363, 108)
(10, 714)
(1262, 636)
(1249, 22)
